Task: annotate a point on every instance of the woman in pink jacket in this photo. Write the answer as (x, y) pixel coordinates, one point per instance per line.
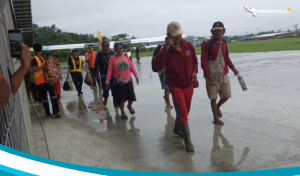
(121, 67)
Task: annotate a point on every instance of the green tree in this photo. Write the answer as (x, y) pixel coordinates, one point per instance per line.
(105, 38)
(251, 35)
(51, 35)
(119, 37)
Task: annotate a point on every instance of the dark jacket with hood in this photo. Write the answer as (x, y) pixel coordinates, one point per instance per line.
(102, 61)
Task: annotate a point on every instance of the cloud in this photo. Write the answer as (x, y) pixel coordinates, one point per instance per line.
(150, 18)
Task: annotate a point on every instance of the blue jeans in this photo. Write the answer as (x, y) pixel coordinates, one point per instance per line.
(162, 82)
(111, 86)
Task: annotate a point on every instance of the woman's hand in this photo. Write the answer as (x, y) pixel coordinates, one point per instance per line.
(137, 80)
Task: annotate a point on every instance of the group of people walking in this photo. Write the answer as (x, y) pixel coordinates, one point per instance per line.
(177, 66)
(176, 63)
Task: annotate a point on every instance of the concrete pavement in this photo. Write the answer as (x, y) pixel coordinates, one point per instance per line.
(261, 125)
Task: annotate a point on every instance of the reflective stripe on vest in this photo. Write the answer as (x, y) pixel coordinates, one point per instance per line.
(39, 77)
(75, 69)
(91, 60)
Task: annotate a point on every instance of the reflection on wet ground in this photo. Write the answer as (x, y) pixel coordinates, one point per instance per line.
(223, 156)
(261, 125)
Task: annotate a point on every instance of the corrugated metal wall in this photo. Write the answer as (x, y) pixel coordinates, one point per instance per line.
(14, 126)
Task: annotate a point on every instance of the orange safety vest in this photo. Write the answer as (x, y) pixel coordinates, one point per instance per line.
(91, 59)
(86, 55)
(39, 77)
(75, 69)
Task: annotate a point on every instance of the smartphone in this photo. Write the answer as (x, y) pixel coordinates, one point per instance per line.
(15, 40)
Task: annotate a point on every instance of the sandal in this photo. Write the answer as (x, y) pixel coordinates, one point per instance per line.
(218, 123)
(124, 116)
(131, 110)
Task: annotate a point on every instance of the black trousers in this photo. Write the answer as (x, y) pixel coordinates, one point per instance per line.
(34, 91)
(92, 70)
(42, 91)
(77, 79)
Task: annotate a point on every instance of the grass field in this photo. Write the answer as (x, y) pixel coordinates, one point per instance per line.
(63, 63)
(282, 44)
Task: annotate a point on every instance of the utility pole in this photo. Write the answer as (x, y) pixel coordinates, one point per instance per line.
(257, 31)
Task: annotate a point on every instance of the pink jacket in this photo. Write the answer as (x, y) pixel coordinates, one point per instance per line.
(120, 66)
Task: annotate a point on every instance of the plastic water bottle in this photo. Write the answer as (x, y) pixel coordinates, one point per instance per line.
(242, 82)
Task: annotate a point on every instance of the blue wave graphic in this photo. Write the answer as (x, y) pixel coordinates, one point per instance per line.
(294, 171)
(7, 171)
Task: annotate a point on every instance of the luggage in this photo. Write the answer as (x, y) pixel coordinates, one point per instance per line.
(88, 79)
(72, 85)
(69, 85)
(66, 86)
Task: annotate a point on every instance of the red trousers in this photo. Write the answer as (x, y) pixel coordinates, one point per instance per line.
(57, 89)
(182, 99)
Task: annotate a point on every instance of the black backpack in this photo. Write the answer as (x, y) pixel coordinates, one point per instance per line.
(158, 48)
(209, 49)
(210, 46)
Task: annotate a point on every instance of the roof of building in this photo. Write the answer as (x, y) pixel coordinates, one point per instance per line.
(23, 19)
(267, 35)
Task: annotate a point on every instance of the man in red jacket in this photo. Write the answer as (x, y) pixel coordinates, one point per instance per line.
(215, 65)
(181, 63)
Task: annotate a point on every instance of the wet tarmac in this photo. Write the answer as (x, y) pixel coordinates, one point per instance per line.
(261, 125)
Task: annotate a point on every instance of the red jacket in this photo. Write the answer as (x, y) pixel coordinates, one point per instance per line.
(179, 66)
(213, 55)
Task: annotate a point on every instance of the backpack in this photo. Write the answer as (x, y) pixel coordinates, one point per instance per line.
(158, 48)
(209, 49)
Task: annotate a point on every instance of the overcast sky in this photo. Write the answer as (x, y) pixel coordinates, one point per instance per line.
(150, 18)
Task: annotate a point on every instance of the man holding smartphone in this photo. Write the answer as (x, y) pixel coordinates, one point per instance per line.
(38, 65)
(181, 63)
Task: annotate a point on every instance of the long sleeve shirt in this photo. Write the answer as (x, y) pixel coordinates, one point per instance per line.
(120, 66)
(180, 65)
(213, 55)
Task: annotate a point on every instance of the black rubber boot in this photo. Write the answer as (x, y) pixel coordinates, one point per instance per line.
(177, 130)
(189, 147)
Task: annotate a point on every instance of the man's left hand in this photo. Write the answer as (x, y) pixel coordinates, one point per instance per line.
(25, 56)
(235, 71)
(194, 77)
